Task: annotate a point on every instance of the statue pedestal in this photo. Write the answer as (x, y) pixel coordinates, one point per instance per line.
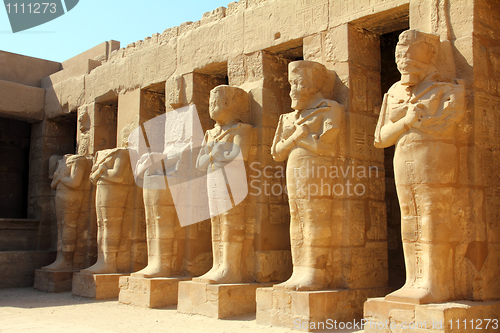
(459, 316)
(98, 286)
(217, 300)
(53, 281)
(149, 292)
(313, 310)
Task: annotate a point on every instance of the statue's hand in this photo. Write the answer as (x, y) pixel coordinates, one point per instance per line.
(301, 131)
(217, 150)
(414, 115)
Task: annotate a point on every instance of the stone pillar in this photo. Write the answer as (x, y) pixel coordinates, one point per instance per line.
(267, 244)
(359, 263)
(182, 90)
(194, 249)
(96, 130)
(48, 137)
(467, 42)
(108, 126)
(264, 76)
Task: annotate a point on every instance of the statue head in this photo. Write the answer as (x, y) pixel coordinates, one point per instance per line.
(415, 52)
(306, 79)
(228, 104)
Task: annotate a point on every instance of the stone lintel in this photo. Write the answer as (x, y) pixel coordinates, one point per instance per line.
(21, 102)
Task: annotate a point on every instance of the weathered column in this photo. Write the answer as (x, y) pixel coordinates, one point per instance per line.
(176, 253)
(96, 130)
(467, 51)
(264, 77)
(266, 244)
(357, 263)
(109, 128)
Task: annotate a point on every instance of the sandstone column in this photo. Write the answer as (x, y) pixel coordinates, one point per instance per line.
(175, 253)
(451, 259)
(357, 259)
(72, 187)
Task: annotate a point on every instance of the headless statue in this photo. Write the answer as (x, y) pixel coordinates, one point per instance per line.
(112, 175)
(72, 186)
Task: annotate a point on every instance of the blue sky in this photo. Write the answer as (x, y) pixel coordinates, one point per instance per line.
(92, 22)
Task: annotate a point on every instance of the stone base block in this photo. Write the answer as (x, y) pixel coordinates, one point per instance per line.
(313, 310)
(149, 292)
(98, 286)
(384, 316)
(217, 300)
(53, 281)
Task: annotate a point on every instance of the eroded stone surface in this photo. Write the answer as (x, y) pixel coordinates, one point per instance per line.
(419, 115)
(70, 180)
(226, 148)
(305, 139)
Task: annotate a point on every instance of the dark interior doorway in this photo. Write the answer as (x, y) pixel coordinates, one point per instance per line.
(14, 167)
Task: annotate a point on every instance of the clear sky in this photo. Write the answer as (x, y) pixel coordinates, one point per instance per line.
(92, 22)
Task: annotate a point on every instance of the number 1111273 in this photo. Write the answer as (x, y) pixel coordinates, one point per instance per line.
(475, 324)
(31, 8)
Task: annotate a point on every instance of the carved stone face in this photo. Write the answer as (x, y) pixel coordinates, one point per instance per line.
(302, 88)
(412, 60)
(218, 108)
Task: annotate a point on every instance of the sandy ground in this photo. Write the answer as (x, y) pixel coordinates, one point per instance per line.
(27, 310)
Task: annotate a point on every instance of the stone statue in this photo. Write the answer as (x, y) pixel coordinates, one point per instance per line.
(71, 183)
(165, 236)
(305, 137)
(223, 144)
(112, 175)
(419, 115)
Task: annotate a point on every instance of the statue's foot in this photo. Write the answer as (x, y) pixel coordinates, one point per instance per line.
(152, 271)
(224, 275)
(289, 284)
(207, 277)
(305, 279)
(59, 265)
(100, 268)
(411, 295)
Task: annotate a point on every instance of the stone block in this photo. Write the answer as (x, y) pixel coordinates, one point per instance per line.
(98, 52)
(52, 281)
(21, 102)
(78, 69)
(98, 286)
(310, 310)
(18, 267)
(25, 70)
(149, 292)
(217, 300)
(382, 315)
